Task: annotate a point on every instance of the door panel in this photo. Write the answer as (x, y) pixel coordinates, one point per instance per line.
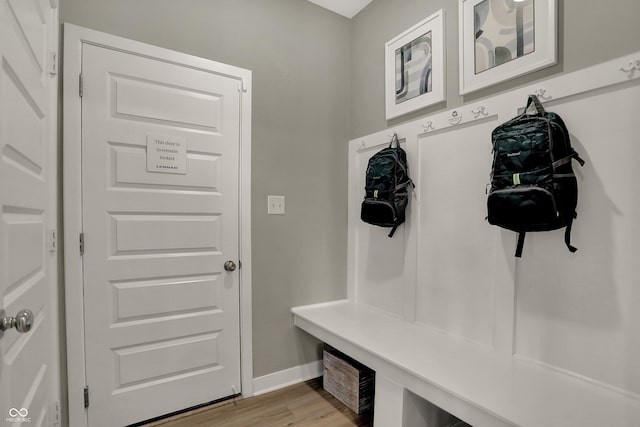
(26, 281)
(152, 101)
(130, 171)
(161, 314)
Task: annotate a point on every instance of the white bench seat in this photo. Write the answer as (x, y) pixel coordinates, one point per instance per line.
(469, 380)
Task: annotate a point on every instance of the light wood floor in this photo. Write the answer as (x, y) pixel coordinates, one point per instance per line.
(301, 405)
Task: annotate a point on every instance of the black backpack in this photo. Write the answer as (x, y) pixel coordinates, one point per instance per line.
(533, 187)
(387, 187)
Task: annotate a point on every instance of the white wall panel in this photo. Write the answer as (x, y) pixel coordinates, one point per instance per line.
(380, 260)
(456, 247)
(580, 312)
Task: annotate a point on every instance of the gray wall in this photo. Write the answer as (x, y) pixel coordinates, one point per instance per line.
(590, 32)
(299, 55)
(318, 80)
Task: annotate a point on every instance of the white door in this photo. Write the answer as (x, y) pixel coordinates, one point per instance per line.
(28, 366)
(160, 171)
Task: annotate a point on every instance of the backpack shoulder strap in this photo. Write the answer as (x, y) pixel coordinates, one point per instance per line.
(533, 99)
(576, 156)
(395, 139)
(520, 245)
(565, 160)
(567, 235)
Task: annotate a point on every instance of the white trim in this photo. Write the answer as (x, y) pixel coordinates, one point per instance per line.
(281, 379)
(246, 304)
(74, 37)
(355, 197)
(74, 315)
(54, 223)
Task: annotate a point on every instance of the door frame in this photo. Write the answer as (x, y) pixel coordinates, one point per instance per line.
(74, 38)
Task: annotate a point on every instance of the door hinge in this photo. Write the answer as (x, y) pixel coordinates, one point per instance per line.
(55, 409)
(86, 396)
(81, 243)
(53, 63)
(241, 87)
(52, 240)
(80, 86)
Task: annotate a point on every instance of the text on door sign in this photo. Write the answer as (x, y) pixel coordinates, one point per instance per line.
(166, 154)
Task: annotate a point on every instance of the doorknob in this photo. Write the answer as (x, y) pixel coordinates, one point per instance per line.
(22, 322)
(230, 266)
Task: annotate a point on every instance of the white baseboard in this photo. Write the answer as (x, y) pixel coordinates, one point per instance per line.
(277, 380)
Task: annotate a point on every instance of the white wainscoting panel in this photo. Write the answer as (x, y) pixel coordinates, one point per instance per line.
(379, 260)
(449, 270)
(580, 312)
(457, 246)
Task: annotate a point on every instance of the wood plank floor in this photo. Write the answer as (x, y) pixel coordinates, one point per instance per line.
(301, 405)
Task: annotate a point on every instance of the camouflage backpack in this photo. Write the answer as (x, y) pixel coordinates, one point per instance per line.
(533, 187)
(387, 187)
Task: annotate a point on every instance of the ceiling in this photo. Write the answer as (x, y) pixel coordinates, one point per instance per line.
(348, 8)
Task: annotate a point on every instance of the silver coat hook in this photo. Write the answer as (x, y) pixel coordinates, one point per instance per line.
(542, 94)
(428, 126)
(480, 111)
(631, 68)
(456, 118)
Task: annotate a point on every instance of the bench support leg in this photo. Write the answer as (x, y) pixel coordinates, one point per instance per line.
(388, 403)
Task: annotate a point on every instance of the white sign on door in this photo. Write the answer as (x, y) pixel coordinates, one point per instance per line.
(166, 154)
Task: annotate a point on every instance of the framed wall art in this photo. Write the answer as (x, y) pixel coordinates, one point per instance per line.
(504, 39)
(414, 67)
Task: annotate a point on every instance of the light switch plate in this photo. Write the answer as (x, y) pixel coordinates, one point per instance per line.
(275, 205)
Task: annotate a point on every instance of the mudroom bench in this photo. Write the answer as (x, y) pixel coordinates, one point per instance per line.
(418, 367)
